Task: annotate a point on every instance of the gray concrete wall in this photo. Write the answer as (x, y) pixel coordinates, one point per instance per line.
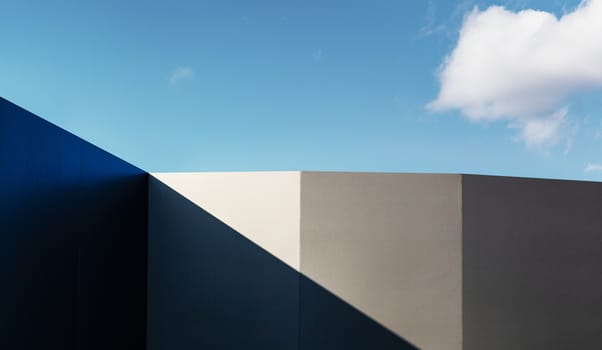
(443, 261)
(390, 245)
(532, 264)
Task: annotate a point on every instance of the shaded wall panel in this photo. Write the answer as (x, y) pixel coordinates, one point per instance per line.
(532, 258)
(72, 240)
(328, 322)
(210, 287)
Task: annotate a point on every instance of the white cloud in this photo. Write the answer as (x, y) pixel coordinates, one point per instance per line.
(592, 167)
(539, 131)
(521, 67)
(180, 74)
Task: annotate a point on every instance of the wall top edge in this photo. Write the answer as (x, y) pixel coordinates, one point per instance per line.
(299, 172)
(317, 172)
(527, 178)
(221, 172)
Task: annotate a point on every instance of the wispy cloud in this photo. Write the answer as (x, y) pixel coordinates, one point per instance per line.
(446, 25)
(535, 132)
(522, 67)
(181, 74)
(592, 167)
(317, 55)
(431, 26)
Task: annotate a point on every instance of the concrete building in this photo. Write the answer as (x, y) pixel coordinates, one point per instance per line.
(444, 261)
(96, 253)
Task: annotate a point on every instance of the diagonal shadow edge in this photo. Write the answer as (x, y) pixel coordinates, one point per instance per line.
(72, 240)
(209, 285)
(279, 309)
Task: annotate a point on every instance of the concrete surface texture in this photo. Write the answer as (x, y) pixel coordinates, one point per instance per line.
(387, 244)
(209, 287)
(532, 263)
(263, 206)
(390, 245)
(444, 261)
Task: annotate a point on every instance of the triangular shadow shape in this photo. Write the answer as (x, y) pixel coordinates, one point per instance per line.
(210, 287)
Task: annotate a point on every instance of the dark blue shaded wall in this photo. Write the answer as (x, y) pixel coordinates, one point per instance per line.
(73, 234)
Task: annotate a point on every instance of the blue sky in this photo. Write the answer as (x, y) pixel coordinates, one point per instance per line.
(314, 85)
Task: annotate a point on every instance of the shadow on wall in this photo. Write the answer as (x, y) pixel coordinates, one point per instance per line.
(72, 240)
(532, 255)
(210, 287)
